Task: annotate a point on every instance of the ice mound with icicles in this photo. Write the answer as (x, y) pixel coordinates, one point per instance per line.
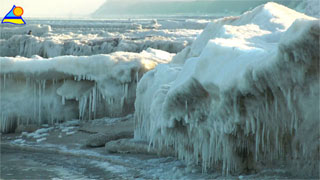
(243, 96)
(36, 90)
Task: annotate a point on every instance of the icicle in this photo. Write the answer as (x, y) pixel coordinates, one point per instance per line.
(187, 121)
(186, 106)
(44, 85)
(122, 103)
(235, 110)
(257, 140)
(34, 100)
(63, 100)
(125, 90)
(289, 100)
(4, 81)
(94, 99)
(98, 96)
(52, 120)
(253, 128)
(39, 107)
(90, 105)
(82, 107)
(137, 76)
(262, 137)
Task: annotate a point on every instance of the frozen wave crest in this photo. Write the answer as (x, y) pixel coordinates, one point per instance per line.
(247, 95)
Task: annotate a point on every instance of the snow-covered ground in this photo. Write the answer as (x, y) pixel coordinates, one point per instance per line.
(236, 96)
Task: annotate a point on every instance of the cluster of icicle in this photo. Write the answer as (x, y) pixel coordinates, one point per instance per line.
(45, 102)
(269, 118)
(49, 91)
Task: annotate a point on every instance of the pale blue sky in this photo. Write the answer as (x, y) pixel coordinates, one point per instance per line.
(51, 8)
(58, 8)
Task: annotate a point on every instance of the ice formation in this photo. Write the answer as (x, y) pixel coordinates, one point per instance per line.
(37, 90)
(39, 30)
(27, 46)
(245, 94)
(84, 38)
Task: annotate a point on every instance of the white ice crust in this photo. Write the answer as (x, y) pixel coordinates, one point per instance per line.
(84, 38)
(37, 90)
(246, 91)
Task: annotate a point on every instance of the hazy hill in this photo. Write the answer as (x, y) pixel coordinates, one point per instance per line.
(178, 7)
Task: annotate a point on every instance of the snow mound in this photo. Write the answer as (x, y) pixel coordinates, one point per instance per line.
(244, 95)
(270, 18)
(52, 90)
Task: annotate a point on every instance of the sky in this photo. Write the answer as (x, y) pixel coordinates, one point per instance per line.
(56, 8)
(51, 8)
(62, 8)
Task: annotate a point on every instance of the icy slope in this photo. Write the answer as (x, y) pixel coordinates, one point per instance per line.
(40, 90)
(244, 96)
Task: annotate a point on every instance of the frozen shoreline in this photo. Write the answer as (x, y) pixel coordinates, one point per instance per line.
(67, 156)
(240, 97)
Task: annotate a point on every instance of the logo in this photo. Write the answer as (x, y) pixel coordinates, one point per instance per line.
(14, 16)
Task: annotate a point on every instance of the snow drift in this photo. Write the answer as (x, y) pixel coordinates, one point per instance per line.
(37, 90)
(244, 95)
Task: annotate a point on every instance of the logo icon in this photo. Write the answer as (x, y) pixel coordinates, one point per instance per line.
(14, 16)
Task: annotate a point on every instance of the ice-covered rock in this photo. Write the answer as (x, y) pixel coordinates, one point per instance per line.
(245, 93)
(67, 87)
(135, 147)
(99, 140)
